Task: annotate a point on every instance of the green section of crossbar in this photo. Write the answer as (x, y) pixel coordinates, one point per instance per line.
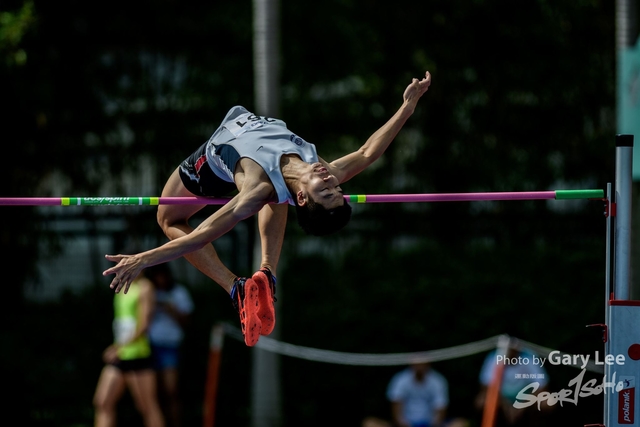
(579, 194)
(94, 201)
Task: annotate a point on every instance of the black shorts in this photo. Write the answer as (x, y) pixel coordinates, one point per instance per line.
(141, 364)
(198, 178)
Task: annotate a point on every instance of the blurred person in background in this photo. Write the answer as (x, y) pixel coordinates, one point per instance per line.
(128, 361)
(419, 396)
(172, 313)
(518, 372)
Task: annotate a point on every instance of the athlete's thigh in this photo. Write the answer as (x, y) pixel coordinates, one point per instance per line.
(176, 213)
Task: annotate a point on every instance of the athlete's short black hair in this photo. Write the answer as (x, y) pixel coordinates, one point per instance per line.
(316, 220)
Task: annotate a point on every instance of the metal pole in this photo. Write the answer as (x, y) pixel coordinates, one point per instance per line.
(622, 264)
(265, 383)
(620, 288)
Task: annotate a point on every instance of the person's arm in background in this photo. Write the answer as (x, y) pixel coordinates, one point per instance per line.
(440, 416)
(179, 309)
(180, 317)
(480, 398)
(396, 414)
(441, 401)
(146, 305)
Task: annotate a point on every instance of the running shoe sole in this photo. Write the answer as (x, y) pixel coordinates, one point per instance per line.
(266, 311)
(248, 306)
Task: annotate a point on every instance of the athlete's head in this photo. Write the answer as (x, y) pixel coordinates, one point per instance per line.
(320, 204)
(315, 219)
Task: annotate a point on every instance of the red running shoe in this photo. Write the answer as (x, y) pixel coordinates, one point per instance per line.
(266, 296)
(244, 296)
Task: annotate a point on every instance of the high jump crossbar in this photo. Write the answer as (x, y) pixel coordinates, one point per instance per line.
(356, 198)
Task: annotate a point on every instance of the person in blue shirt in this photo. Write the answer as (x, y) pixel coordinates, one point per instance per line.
(171, 315)
(419, 396)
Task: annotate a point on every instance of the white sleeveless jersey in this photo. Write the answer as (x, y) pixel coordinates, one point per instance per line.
(261, 139)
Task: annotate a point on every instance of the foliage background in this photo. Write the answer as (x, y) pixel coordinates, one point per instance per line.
(522, 99)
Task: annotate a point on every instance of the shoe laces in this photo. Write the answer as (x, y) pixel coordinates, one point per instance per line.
(272, 282)
(238, 287)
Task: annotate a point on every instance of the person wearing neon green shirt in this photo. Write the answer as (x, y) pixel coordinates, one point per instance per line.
(128, 361)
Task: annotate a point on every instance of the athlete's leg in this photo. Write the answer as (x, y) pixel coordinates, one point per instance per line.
(110, 388)
(144, 391)
(173, 219)
(272, 221)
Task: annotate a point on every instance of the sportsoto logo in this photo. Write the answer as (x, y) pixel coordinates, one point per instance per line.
(578, 387)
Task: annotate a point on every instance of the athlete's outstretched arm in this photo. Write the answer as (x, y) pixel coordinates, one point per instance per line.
(240, 207)
(352, 164)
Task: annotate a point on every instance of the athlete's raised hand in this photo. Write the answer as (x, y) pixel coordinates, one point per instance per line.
(416, 89)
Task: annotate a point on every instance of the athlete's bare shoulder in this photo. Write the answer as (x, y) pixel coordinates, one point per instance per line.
(250, 178)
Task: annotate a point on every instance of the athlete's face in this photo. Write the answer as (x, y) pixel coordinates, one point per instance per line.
(323, 187)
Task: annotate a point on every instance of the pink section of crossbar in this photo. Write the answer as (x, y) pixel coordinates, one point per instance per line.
(193, 200)
(30, 201)
(459, 197)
